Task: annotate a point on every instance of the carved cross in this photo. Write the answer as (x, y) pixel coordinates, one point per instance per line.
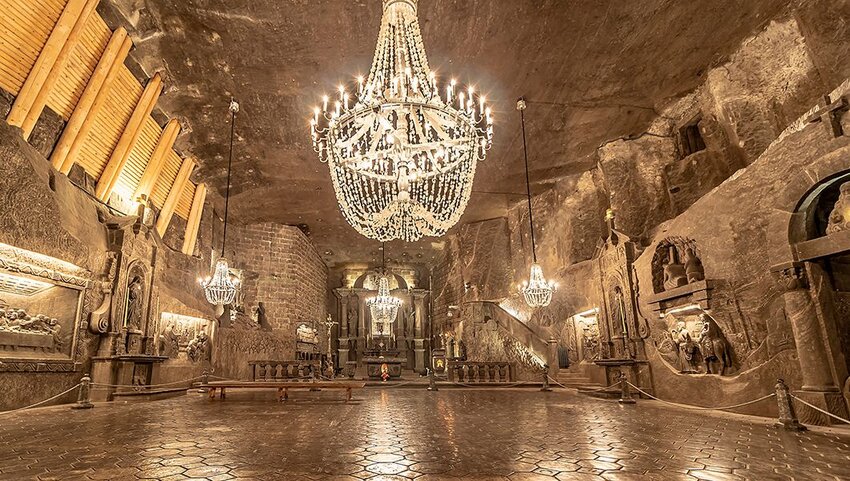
(830, 115)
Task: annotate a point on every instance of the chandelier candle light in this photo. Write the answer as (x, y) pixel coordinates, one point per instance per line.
(537, 291)
(402, 150)
(220, 289)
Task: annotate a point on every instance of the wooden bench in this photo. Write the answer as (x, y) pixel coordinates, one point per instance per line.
(282, 387)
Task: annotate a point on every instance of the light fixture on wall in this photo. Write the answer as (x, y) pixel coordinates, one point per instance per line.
(401, 157)
(220, 288)
(383, 307)
(537, 291)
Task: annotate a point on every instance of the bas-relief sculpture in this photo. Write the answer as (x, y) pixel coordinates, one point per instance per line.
(42, 301)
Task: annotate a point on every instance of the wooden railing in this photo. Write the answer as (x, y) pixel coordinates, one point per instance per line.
(280, 370)
(472, 372)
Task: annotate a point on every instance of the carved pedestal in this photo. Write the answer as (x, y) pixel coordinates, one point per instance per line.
(124, 375)
(419, 355)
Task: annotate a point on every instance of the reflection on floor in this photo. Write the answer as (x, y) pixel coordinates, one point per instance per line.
(398, 434)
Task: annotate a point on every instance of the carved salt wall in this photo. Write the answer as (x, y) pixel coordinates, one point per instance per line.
(44, 213)
(751, 115)
(281, 269)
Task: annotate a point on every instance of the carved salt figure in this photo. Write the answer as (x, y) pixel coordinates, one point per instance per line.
(687, 348)
(713, 346)
(674, 272)
(838, 218)
(693, 266)
(134, 304)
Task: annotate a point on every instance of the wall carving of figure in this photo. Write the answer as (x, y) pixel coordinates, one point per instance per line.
(714, 347)
(135, 293)
(839, 217)
(686, 347)
(590, 341)
(352, 314)
(676, 263)
(198, 348)
(170, 342)
(260, 317)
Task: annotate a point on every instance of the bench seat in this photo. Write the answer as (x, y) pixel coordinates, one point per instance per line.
(282, 387)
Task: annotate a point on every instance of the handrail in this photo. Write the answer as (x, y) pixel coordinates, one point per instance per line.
(516, 328)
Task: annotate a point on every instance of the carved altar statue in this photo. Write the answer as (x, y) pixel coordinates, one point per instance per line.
(134, 304)
(838, 219)
(687, 348)
(674, 272)
(713, 346)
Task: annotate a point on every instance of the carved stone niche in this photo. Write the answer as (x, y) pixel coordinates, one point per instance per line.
(43, 302)
(678, 277)
(128, 326)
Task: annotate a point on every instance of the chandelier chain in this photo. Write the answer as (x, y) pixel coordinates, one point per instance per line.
(234, 107)
(527, 180)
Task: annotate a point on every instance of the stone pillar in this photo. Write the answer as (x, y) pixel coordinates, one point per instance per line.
(342, 296)
(552, 357)
(361, 315)
(419, 309)
(802, 313)
(819, 386)
(419, 355)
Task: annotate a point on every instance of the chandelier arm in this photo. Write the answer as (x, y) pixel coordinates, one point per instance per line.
(528, 185)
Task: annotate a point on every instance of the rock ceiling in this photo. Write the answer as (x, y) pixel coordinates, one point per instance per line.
(598, 68)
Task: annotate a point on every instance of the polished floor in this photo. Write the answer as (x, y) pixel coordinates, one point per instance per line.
(400, 434)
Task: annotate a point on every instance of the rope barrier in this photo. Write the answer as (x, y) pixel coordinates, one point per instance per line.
(820, 410)
(75, 386)
(103, 385)
(584, 391)
(702, 408)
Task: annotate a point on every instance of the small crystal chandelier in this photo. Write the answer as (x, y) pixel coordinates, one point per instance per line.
(220, 289)
(401, 157)
(537, 291)
(383, 307)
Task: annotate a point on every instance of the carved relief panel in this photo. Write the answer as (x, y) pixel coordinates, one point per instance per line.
(42, 306)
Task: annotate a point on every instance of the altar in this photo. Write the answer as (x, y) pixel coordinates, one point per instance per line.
(378, 367)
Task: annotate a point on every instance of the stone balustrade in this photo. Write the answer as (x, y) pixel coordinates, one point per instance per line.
(282, 370)
(474, 372)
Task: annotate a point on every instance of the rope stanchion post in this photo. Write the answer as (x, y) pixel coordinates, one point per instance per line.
(545, 387)
(432, 383)
(625, 392)
(84, 396)
(787, 415)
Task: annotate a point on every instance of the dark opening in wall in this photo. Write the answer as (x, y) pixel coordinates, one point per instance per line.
(690, 138)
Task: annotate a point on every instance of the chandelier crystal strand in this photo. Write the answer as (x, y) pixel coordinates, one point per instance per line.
(537, 291)
(401, 150)
(220, 289)
(383, 307)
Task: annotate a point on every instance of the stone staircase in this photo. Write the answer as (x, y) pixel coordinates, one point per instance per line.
(577, 381)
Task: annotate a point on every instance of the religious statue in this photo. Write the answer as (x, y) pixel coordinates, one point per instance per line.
(170, 341)
(134, 304)
(352, 315)
(693, 266)
(713, 346)
(687, 348)
(260, 317)
(838, 218)
(674, 272)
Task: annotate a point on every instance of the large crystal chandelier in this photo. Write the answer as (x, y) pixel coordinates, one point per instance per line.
(220, 289)
(401, 156)
(383, 307)
(537, 291)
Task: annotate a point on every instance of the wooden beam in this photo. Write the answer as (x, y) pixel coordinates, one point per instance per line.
(112, 171)
(160, 153)
(44, 64)
(174, 196)
(91, 101)
(194, 221)
(56, 71)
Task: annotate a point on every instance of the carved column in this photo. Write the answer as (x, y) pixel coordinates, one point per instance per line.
(418, 329)
(342, 297)
(819, 386)
(802, 313)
